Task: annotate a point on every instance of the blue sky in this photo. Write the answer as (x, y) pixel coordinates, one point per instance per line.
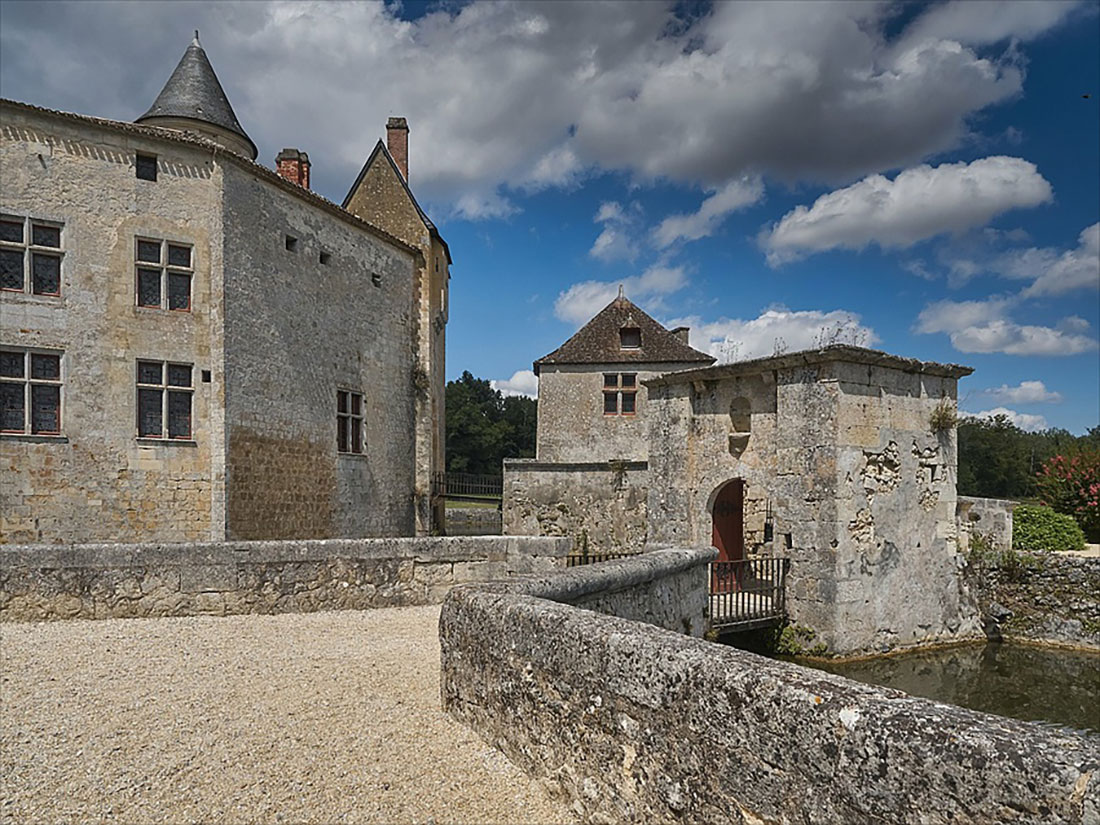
(920, 178)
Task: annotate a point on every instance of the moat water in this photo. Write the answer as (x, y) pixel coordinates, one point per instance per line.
(1057, 687)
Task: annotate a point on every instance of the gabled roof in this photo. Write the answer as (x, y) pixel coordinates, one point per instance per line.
(597, 342)
(194, 92)
(380, 148)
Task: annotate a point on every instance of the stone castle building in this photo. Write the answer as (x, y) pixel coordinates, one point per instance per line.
(842, 459)
(193, 346)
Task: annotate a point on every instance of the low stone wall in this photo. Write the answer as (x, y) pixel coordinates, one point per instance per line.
(472, 521)
(991, 517)
(639, 724)
(1039, 597)
(101, 581)
(598, 504)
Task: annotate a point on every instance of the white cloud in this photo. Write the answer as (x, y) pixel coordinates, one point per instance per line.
(522, 382)
(737, 194)
(917, 204)
(777, 329)
(1027, 392)
(503, 96)
(984, 327)
(1058, 273)
(1026, 422)
(980, 22)
(615, 241)
(581, 301)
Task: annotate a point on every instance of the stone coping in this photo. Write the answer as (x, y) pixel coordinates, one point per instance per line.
(534, 465)
(426, 549)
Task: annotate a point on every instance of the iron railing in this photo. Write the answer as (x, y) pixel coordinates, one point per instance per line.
(748, 593)
(576, 559)
(466, 485)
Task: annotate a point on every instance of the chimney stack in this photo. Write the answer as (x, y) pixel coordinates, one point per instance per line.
(293, 166)
(397, 141)
(682, 333)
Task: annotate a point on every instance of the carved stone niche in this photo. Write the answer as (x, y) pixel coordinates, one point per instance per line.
(740, 425)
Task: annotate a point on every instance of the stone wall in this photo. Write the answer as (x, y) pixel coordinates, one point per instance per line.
(95, 480)
(990, 517)
(838, 444)
(637, 724)
(1052, 598)
(44, 582)
(601, 505)
(296, 331)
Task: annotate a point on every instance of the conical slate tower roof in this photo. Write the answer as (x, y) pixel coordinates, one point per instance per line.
(193, 92)
(598, 341)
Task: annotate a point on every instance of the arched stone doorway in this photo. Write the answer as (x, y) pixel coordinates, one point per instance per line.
(728, 521)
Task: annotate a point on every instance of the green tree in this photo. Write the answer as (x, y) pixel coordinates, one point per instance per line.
(484, 427)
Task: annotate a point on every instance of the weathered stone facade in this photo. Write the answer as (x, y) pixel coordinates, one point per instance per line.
(841, 447)
(265, 314)
(637, 724)
(46, 582)
(600, 505)
(991, 518)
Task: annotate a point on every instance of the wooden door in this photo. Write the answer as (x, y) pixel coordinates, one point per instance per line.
(728, 535)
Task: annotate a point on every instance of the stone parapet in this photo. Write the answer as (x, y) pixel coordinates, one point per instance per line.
(100, 581)
(639, 724)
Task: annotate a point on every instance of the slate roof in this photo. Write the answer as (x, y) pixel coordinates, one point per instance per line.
(381, 149)
(194, 92)
(597, 342)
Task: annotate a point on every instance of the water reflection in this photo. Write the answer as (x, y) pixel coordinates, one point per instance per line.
(1025, 682)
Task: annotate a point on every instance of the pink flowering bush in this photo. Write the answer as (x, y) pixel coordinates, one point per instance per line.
(1070, 484)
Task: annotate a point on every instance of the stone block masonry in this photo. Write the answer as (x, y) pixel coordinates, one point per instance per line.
(637, 724)
(109, 581)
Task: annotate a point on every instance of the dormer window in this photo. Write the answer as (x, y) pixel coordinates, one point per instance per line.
(630, 338)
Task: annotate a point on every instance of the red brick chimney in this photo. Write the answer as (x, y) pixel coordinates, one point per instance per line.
(397, 141)
(293, 166)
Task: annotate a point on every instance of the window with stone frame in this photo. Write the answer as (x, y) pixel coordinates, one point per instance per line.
(164, 271)
(349, 421)
(30, 255)
(30, 391)
(630, 338)
(165, 395)
(620, 393)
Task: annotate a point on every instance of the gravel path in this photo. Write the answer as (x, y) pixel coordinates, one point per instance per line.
(323, 717)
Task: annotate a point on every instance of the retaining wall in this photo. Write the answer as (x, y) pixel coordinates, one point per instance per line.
(639, 724)
(101, 581)
(991, 517)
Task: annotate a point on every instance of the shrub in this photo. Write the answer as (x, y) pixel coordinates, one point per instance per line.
(1070, 484)
(1040, 528)
(943, 417)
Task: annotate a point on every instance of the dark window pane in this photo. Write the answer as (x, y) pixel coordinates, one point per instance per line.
(46, 278)
(179, 255)
(611, 379)
(149, 413)
(149, 372)
(11, 364)
(146, 167)
(179, 415)
(628, 402)
(341, 434)
(149, 287)
(47, 367)
(11, 407)
(179, 375)
(11, 269)
(11, 231)
(179, 291)
(630, 337)
(341, 401)
(46, 236)
(629, 379)
(610, 402)
(45, 409)
(356, 404)
(356, 435)
(149, 252)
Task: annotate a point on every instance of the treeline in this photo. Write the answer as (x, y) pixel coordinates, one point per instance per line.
(485, 427)
(999, 460)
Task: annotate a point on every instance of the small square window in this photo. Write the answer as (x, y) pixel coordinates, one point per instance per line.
(145, 167)
(11, 231)
(611, 379)
(291, 243)
(325, 258)
(148, 252)
(630, 338)
(630, 379)
(179, 256)
(45, 236)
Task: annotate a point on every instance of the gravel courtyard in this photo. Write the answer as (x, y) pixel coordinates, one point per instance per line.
(323, 717)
